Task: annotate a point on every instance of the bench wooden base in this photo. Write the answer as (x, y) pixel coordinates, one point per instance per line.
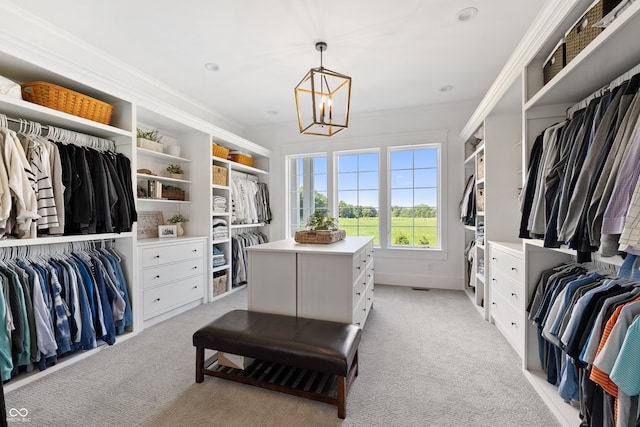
(307, 383)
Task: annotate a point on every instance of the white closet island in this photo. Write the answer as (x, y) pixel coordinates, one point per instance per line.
(319, 281)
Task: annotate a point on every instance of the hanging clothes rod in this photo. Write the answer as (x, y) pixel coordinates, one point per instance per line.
(598, 93)
(30, 127)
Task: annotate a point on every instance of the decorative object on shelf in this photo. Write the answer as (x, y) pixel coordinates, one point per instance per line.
(149, 140)
(148, 222)
(67, 101)
(322, 229)
(219, 176)
(146, 172)
(219, 151)
(219, 282)
(175, 171)
(173, 150)
(242, 158)
(322, 100)
(171, 192)
(178, 219)
(167, 231)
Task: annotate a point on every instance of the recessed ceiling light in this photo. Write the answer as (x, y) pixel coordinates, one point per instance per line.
(467, 14)
(447, 88)
(211, 66)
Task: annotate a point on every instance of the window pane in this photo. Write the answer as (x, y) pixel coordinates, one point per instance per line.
(426, 177)
(401, 179)
(368, 180)
(414, 197)
(368, 162)
(348, 181)
(348, 163)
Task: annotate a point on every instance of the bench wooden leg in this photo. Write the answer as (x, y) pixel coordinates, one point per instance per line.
(342, 397)
(199, 364)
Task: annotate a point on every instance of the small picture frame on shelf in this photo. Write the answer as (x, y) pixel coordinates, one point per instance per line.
(165, 231)
(148, 222)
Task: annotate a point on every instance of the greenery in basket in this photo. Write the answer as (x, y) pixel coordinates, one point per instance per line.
(176, 218)
(320, 220)
(177, 169)
(152, 135)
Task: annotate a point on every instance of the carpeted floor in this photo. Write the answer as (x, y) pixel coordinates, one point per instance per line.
(426, 359)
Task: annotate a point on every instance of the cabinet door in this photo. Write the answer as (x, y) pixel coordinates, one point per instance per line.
(325, 287)
(272, 282)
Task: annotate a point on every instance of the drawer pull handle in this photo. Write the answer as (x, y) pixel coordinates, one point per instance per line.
(364, 309)
(156, 257)
(514, 269)
(493, 303)
(357, 293)
(194, 251)
(194, 267)
(195, 287)
(493, 279)
(157, 276)
(494, 258)
(513, 294)
(358, 268)
(156, 300)
(514, 324)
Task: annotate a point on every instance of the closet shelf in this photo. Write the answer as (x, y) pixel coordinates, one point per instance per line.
(586, 71)
(47, 116)
(163, 178)
(259, 224)
(161, 156)
(8, 243)
(239, 166)
(148, 200)
(220, 241)
(221, 268)
(595, 256)
(220, 187)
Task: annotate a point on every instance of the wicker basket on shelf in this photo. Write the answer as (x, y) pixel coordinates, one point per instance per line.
(320, 236)
(241, 158)
(219, 175)
(67, 101)
(219, 151)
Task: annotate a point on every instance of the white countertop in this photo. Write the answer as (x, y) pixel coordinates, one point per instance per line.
(349, 245)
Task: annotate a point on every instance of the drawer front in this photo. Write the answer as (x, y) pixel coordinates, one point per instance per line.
(161, 254)
(360, 312)
(508, 288)
(509, 321)
(164, 298)
(507, 263)
(156, 276)
(358, 264)
(359, 289)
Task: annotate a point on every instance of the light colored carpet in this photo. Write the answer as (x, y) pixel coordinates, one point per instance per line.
(426, 359)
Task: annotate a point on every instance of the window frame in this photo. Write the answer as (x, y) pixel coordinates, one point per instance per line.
(439, 198)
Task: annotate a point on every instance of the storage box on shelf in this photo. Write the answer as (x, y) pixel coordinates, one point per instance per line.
(555, 63)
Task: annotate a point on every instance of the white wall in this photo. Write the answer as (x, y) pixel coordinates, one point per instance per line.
(418, 268)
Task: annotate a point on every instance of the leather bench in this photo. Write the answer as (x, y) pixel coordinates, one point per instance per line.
(315, 359)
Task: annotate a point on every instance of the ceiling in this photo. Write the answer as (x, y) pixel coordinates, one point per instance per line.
(399, 54)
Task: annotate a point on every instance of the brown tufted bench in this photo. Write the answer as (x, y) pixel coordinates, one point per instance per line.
(316, 359)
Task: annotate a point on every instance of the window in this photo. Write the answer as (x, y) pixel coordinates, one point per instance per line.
(414, 176)
(358, 183)
(307, 189)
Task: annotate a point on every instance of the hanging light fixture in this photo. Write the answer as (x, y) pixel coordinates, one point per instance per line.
(322, 100)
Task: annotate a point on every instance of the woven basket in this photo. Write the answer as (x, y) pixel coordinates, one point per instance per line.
(241, 158)
(219, 284)
(583, 32)
(555, 63)
(320, 236)
(219, 175)
(173, 194)
(480, 167)
(219, 151)
(480, 200)
(67, 101)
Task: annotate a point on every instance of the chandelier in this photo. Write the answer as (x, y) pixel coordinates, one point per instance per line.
(322, 100)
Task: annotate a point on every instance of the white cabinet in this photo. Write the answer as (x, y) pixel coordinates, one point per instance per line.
(329, 282)
(507, 293)
(172, 275)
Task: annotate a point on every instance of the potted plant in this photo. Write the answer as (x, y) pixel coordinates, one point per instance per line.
(322, 228)
(175, 171)
(150, 140)
(178, 219)
(320, 220)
